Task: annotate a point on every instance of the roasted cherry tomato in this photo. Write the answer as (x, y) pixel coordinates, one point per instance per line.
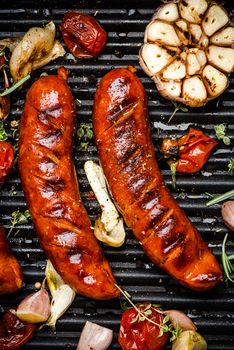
(14, 333)
(190, 152)
(141, 335)
(83, 35)
(6, 159)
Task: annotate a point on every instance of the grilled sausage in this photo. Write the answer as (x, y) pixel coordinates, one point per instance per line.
(122, 134)
(51, 189)
(10, 272)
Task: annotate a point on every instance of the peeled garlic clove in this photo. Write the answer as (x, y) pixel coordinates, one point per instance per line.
(228, 214)
(167, 12)
(215, 81)
(162, 33)
(224, 37)
(94, 337)
(189, 340)
(196, 32)
(54, 280)
(221, 57)
(193, 65)
(175, 71)
(155, 57)
(192, 10)
(194, 91)
(215, 19)
(35, 308)
(114, 238)
(179, 319)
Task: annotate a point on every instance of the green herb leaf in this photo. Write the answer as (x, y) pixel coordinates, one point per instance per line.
(231, 166)
(220, 131)
(18, 218)
(3, 134)
(89, 133)
(80, 132)
(15, 86)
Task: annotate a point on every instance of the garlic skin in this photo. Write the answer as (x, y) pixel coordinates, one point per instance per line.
(179, 319)
(35, 308)
(189, 340)
(228, 214)
(188, 51)
(62, 295)
(94, 337)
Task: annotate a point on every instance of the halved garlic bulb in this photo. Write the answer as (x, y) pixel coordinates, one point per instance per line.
(188, 51)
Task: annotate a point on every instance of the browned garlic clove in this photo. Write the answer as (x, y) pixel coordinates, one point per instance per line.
(168, 12)
(215, 19)
(228, 214)
(192, 10)
(181, 320)
(215, 81)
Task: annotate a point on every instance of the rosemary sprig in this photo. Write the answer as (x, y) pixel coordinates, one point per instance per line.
(220, 198)
(226, 261)
(15, 86)
(142, 315)
(18, 218)
(178, 106)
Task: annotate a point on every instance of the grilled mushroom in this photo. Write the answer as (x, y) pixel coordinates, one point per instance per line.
(188, 51)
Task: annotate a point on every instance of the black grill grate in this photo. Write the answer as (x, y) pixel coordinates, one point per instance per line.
(125, 24)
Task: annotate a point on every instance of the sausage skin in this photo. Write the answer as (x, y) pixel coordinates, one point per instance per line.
(10, 271)
(122, 135)
(50, 185)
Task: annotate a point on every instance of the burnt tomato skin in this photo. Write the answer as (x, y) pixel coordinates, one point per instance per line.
(141, 335)
(83, 35)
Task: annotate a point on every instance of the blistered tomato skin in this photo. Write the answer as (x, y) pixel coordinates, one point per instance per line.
(83, 35)
(141, 335)
(6, 159)
(14, 333)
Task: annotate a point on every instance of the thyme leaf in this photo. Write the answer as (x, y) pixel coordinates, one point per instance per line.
(3, 134)
(85, 134)
(231, 166)
(220, 131)
(18, 218)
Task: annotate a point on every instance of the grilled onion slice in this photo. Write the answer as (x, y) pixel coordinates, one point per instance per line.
(188, 51)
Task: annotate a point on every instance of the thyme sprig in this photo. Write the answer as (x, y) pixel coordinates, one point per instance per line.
(226, 261)
(18, 218)
(85, 134)
(15, 86)
(142, 315)
(3, 133)
(231, 166)
(178, 106)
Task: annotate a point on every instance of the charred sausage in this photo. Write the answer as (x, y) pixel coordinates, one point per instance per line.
(122, 134)
(51, 189)
(10, 272)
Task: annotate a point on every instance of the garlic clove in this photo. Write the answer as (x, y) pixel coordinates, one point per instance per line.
(155, 57)
(179, 319)
(193, 65)
(225, 37)
(192, 10)
(196, 32)
(216, 82)
(63, 295)
(189, 340)
(94, 337)
(228, 214)
(194, 91)
(221, 57)
(182, 31)
(169, 89)
(215, 19)
(114, 238)
(175, 71)
(167, 12)
(162, 33)
(62, 299)
(35, 308)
